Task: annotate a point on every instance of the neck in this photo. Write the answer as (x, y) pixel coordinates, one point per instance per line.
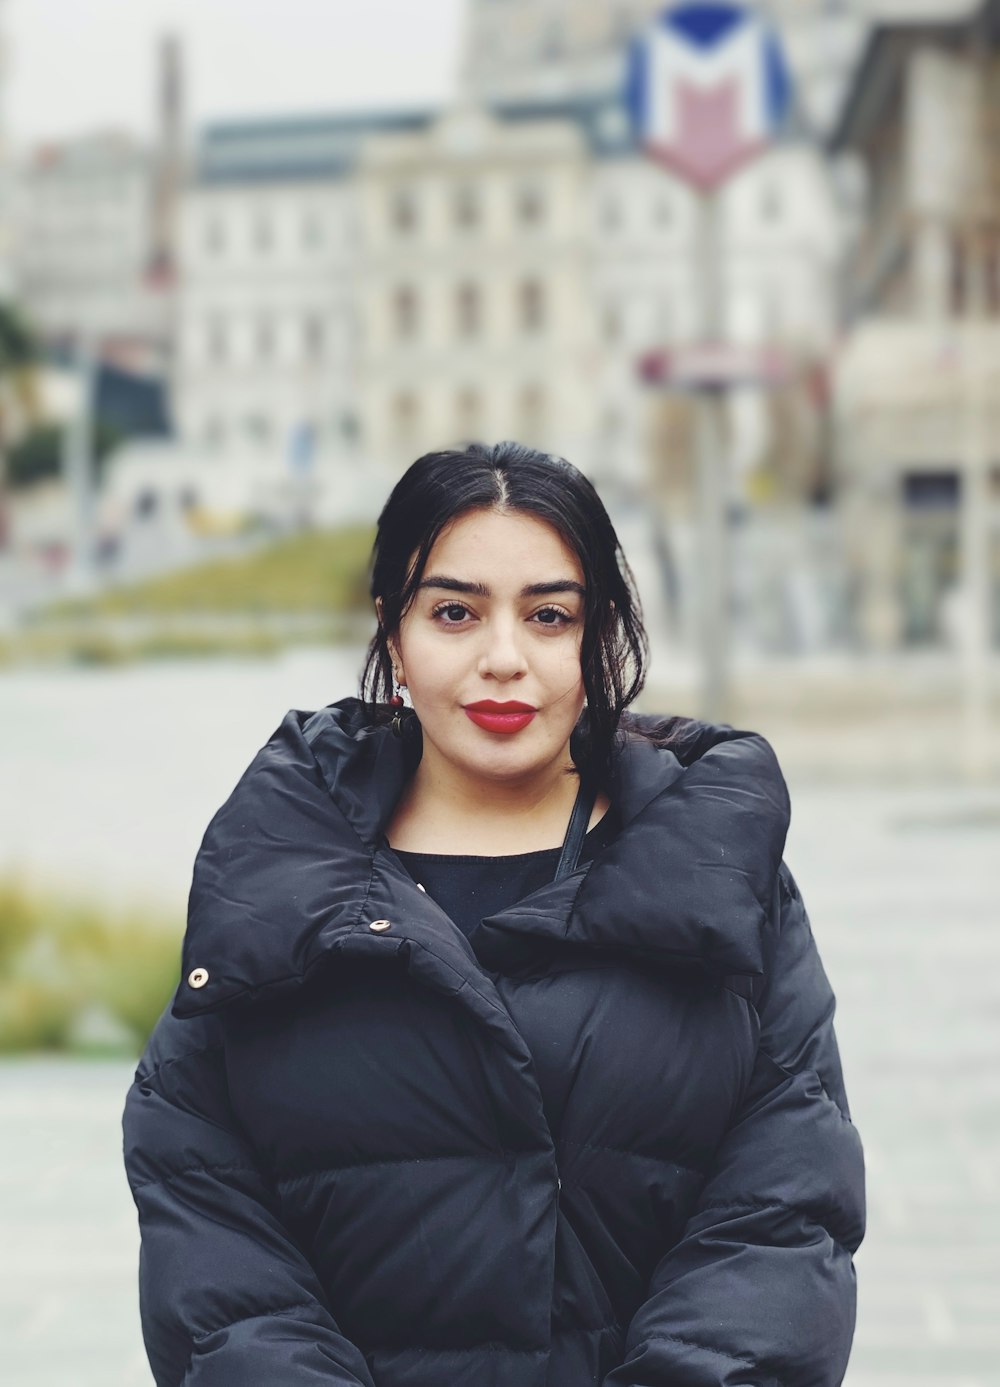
(443, 810)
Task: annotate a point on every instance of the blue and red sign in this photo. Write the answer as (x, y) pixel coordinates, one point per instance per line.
(708, 89)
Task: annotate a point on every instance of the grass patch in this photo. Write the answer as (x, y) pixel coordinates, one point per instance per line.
(75, 977)
(93, 646)
(309, 589)
(318, 571)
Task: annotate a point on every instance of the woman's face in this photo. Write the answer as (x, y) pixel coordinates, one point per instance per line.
(490, 648)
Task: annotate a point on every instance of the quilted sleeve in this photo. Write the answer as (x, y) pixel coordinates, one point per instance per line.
(226, 1298)
(760, 1289)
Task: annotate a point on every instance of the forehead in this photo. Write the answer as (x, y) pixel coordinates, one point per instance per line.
(503, 544)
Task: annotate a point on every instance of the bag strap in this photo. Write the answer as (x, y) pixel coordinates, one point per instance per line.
(576, 830)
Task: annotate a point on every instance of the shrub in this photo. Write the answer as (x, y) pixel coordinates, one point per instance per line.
(61, 960)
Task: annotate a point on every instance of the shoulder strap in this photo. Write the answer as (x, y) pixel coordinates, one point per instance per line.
(576, 830)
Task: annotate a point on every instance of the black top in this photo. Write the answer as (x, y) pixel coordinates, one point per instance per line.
(470, 889)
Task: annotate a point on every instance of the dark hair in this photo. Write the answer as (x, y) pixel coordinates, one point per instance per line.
(440, 487)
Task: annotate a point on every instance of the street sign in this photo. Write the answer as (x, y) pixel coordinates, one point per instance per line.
(715, 366)
(708, 89)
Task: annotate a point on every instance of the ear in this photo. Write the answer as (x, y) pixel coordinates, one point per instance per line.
(390, 643)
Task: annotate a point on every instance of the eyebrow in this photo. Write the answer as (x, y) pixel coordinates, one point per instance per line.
(481, 590)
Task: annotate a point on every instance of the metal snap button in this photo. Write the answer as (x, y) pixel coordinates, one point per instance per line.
(379, 925)
(198, 977)
(421, 887)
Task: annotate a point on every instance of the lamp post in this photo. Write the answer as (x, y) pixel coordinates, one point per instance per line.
(78, 468)
(981, 213)
(708, 90)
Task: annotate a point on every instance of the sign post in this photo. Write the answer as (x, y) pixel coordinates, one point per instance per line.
(78, 466)
(708, 89)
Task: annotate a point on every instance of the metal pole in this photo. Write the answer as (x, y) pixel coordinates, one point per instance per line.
(975, 626)
(78, 470)
(713, 556)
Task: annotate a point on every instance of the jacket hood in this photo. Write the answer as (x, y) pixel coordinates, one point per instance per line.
(294, 868)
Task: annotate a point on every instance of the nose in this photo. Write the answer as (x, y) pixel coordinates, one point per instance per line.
(502, 656)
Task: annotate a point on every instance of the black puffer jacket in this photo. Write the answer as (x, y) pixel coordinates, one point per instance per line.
(606, 1140)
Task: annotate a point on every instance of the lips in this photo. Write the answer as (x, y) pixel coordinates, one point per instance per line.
(500, 717)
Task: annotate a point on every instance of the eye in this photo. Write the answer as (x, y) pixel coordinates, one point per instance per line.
(450, 613)
(552, 617)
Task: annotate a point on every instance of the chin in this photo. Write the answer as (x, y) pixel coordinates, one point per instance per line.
(508, 763)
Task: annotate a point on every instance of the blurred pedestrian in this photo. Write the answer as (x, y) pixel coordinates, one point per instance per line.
(502, 1053)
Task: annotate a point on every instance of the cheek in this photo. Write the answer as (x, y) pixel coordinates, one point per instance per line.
(566, 674)
(431, 665)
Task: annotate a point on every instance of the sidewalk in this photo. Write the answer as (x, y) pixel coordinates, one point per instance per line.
(904, 894)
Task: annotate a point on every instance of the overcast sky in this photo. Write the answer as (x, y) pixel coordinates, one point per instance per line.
(76, 65)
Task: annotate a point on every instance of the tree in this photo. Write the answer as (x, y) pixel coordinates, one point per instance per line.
(18, 363)
(39, 453)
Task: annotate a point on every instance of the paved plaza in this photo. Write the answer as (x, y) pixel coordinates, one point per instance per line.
(904, 891)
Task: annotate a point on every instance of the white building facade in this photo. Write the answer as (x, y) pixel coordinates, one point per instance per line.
(269, 332)
(384, 285)
(476, 296)
(83, 239)
(918, 380)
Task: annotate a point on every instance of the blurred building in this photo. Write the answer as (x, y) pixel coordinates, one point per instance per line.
(6, 200)
(476, 285)
(95, 243)
(407, 279)
(523, 259)
(552, 50)
(918, 380)
(269, 311)
(361, 287)
(84, 240)
(367, 286)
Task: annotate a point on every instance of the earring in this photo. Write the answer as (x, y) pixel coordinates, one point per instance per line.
(396, 702)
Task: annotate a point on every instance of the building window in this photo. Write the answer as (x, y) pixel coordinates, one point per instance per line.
(770, 314)
(531, 408)
(554, 40)
(215, 236)
(258, 429)
(265, 339)
(403, 211)
(263, 234)
(530, 205)
(214, 432)
(664, 319)
(931, 490)
(612, 322)
(466, 206)
(218, 341)
(405, 313)
(531, 303)
(611, 214)
(663, 212)
(348, 426)
(468, 410)
(313, 337)
(622, 26)
(770, 203)
(612, 423)
(312, 232)
(468, 305)
(991, 274)
(405, 413)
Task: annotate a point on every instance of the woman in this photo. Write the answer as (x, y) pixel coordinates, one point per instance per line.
(502, 1053)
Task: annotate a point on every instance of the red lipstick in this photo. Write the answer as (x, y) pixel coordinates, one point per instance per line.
(500, 717)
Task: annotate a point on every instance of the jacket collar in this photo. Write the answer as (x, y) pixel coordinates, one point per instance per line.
(292, 868)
